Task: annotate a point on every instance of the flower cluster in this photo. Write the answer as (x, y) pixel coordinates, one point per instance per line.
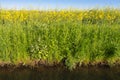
(88, 16)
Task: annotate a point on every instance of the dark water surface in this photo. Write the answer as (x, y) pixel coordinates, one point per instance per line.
(62, 74)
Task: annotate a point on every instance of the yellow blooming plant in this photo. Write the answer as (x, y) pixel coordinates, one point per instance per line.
(91, 16)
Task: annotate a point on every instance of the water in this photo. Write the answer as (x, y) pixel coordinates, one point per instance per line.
(61, 74)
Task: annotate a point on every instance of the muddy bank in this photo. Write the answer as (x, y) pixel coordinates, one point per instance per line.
(42, 65)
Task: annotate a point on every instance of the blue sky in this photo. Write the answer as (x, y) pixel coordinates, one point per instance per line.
(60, 4)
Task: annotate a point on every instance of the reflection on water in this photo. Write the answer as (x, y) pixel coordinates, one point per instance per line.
(60, 74)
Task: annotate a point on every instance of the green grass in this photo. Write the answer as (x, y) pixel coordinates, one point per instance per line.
(73, 41)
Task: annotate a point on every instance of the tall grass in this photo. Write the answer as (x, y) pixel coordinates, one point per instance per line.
(40, 35)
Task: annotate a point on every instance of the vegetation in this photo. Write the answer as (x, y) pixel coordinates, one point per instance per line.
(69, 36)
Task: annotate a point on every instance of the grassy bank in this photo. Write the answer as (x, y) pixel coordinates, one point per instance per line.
(70, 37)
